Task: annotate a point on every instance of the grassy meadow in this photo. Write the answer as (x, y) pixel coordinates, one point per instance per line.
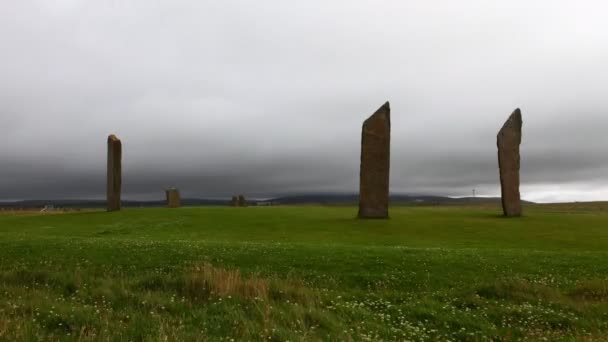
(306, 274)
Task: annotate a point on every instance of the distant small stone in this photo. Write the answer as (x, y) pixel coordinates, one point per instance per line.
(234, 202)
(242, 202)
(173, 198)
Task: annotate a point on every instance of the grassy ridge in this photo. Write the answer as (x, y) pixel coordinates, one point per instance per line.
(305, 273)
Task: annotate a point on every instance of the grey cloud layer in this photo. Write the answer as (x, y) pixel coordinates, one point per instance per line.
(267, 98)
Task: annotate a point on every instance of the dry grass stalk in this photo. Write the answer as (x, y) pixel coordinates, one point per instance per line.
(222, 282)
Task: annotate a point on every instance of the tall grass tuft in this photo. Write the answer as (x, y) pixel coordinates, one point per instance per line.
(206, 279)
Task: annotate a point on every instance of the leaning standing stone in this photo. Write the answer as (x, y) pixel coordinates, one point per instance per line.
(375, 164)
(114, 174)
(508, 141)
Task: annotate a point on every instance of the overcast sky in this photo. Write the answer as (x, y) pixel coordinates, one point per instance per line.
(268, 97)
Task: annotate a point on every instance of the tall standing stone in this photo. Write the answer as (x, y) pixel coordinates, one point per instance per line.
(242, 201)
(508, 141)
(114, 180)
(173, 198)
(375, 164)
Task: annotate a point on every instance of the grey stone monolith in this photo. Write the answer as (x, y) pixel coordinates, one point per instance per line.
(375, 164)
(508, 142)
(173, 198)
(114, 173)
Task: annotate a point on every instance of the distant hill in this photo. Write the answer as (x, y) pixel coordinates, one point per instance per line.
(301, 199)
(329, 199)
(102, 203)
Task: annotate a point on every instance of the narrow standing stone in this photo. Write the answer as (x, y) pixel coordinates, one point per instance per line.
(242, 202)
(375, 164)
(173, 198)
(114, 180)
(508, 141)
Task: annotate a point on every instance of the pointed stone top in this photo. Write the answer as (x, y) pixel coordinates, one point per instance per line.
(112, 137)
(514, 122)
(384, 110)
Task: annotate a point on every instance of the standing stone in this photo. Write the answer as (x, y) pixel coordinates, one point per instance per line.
(242, 202)
(173, 198)
(375, 164)
(508, 141)
(114, 180)
(234, 202)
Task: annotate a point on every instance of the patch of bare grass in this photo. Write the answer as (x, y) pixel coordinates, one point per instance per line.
(293, 291)
(521, 290)
(595, 290)
(3, 326)
(586, 292)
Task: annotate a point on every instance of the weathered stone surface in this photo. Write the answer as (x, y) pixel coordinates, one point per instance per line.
(173, 198)
(114, 175)
(242, 201)
(508, 141)
(234, 202)
(375, 164)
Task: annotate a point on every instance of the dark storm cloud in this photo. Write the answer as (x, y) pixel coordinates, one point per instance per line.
(268, 98)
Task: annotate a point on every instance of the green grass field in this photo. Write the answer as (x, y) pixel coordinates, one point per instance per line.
(306, 273)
